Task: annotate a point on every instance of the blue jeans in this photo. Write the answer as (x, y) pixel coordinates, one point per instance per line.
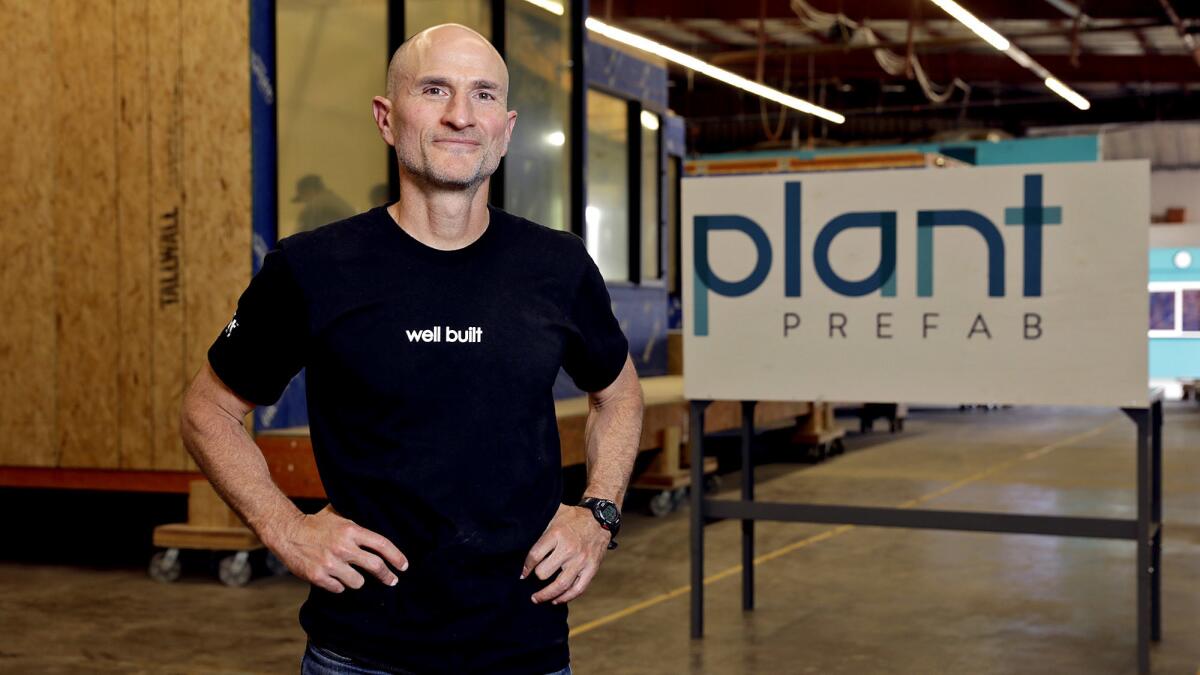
(322, 661)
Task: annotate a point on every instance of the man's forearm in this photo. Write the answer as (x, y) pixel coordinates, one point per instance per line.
(613, 432)
(235, 466)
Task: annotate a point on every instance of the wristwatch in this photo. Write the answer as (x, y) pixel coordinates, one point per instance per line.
(607, 514)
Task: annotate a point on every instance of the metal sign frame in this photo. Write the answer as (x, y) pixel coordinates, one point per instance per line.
(1145, 530)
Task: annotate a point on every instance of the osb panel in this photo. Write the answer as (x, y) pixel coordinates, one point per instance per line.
(118, 110)
(27, 338)
(135, 428)
(85, 232)
(167, 125)
(216, 223)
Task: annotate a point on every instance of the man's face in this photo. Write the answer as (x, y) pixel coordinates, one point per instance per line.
(450, 114)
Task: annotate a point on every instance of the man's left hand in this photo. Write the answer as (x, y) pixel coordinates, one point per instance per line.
(576, 543)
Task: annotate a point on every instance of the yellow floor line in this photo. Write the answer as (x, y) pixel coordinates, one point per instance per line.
(834, 532)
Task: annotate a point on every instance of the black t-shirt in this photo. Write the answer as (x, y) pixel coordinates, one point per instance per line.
(430, 377)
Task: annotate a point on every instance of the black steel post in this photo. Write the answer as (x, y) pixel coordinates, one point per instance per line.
(577, 133)
(1144, 489)
(396, 36)
(500, 42)
(1156, 425)
(748, 496)
(696, 441)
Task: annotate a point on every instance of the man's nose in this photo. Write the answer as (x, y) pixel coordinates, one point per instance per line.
(458, 113)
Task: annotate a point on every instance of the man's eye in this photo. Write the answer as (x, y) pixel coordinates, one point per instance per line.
(487, 95)
(433, 90)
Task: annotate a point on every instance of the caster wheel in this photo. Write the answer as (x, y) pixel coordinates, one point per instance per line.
(235, 570)
(678, 496)
(712, 484)
(662, 504)
(165, 566)
(275, 566)
(837, 447)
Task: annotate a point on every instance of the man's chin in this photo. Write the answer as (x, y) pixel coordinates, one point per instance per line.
(455, 181)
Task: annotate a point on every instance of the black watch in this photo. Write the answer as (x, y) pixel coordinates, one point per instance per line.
(607, 514)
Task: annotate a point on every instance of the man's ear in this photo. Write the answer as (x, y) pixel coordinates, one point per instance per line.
(508, 129)
(381, 109)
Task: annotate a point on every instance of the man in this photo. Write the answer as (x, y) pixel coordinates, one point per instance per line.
(432, 330)
(321, 205)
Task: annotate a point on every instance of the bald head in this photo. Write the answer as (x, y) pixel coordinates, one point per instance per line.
(448, 41)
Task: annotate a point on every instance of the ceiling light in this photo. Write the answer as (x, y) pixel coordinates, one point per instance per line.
(719, 74)
(978, 27)
(556, 138)
(649, 120)
(1012, 51)
(1067, 93)
(678, 57)
(548, 5)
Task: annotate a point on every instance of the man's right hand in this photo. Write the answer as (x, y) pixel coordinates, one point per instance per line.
(320, 548)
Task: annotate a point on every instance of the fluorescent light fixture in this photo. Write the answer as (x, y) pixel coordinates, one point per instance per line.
(719, 74)
(649, 120)
(1017, 54)
(548, 5)
(1014, 52)
(678, 57)
(556, 138)
(978, 27)
(1182, 260)
(1067, 93)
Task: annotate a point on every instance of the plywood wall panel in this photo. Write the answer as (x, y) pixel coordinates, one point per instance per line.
(216, 226)
(126, 237)
(135, 429)
(27, 292)
(85, 232)
(167, 126)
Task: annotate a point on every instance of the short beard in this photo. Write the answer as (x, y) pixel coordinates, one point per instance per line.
(423, 169)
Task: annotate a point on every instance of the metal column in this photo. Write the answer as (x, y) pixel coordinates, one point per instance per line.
(748, 495)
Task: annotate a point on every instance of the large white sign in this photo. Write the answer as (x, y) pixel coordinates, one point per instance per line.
(1016, 284)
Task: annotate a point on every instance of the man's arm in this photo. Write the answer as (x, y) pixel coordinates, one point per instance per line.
(318, 548)
(612, 434)
(574, 542)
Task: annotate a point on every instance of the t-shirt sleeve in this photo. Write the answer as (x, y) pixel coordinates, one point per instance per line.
(596, 348)
(266, 343)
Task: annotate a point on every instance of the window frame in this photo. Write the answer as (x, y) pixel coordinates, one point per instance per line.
(1177, 288)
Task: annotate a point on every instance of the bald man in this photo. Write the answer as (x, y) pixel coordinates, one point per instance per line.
(432, 330)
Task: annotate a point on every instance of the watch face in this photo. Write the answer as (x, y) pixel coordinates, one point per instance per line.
(609, 511)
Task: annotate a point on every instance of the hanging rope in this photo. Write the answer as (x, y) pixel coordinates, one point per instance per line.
(893, 64)
(773, 135)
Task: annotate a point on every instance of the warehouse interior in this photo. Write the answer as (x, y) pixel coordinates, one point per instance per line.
(933, 458)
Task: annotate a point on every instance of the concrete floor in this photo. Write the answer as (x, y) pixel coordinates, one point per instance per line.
(830, 599)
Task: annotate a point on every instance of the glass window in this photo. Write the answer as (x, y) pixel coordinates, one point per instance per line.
(1191, 310)
(1162, 310)
(606, 218)
(650, 196)
(421, 14)
(537, 169)
(332, 163)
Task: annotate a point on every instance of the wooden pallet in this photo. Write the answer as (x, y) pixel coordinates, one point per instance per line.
(670, 469)
(211, 525)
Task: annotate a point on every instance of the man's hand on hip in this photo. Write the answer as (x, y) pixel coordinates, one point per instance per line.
(576, 543)
(320, 548)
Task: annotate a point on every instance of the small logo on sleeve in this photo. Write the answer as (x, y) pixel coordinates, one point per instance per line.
(233, 323)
